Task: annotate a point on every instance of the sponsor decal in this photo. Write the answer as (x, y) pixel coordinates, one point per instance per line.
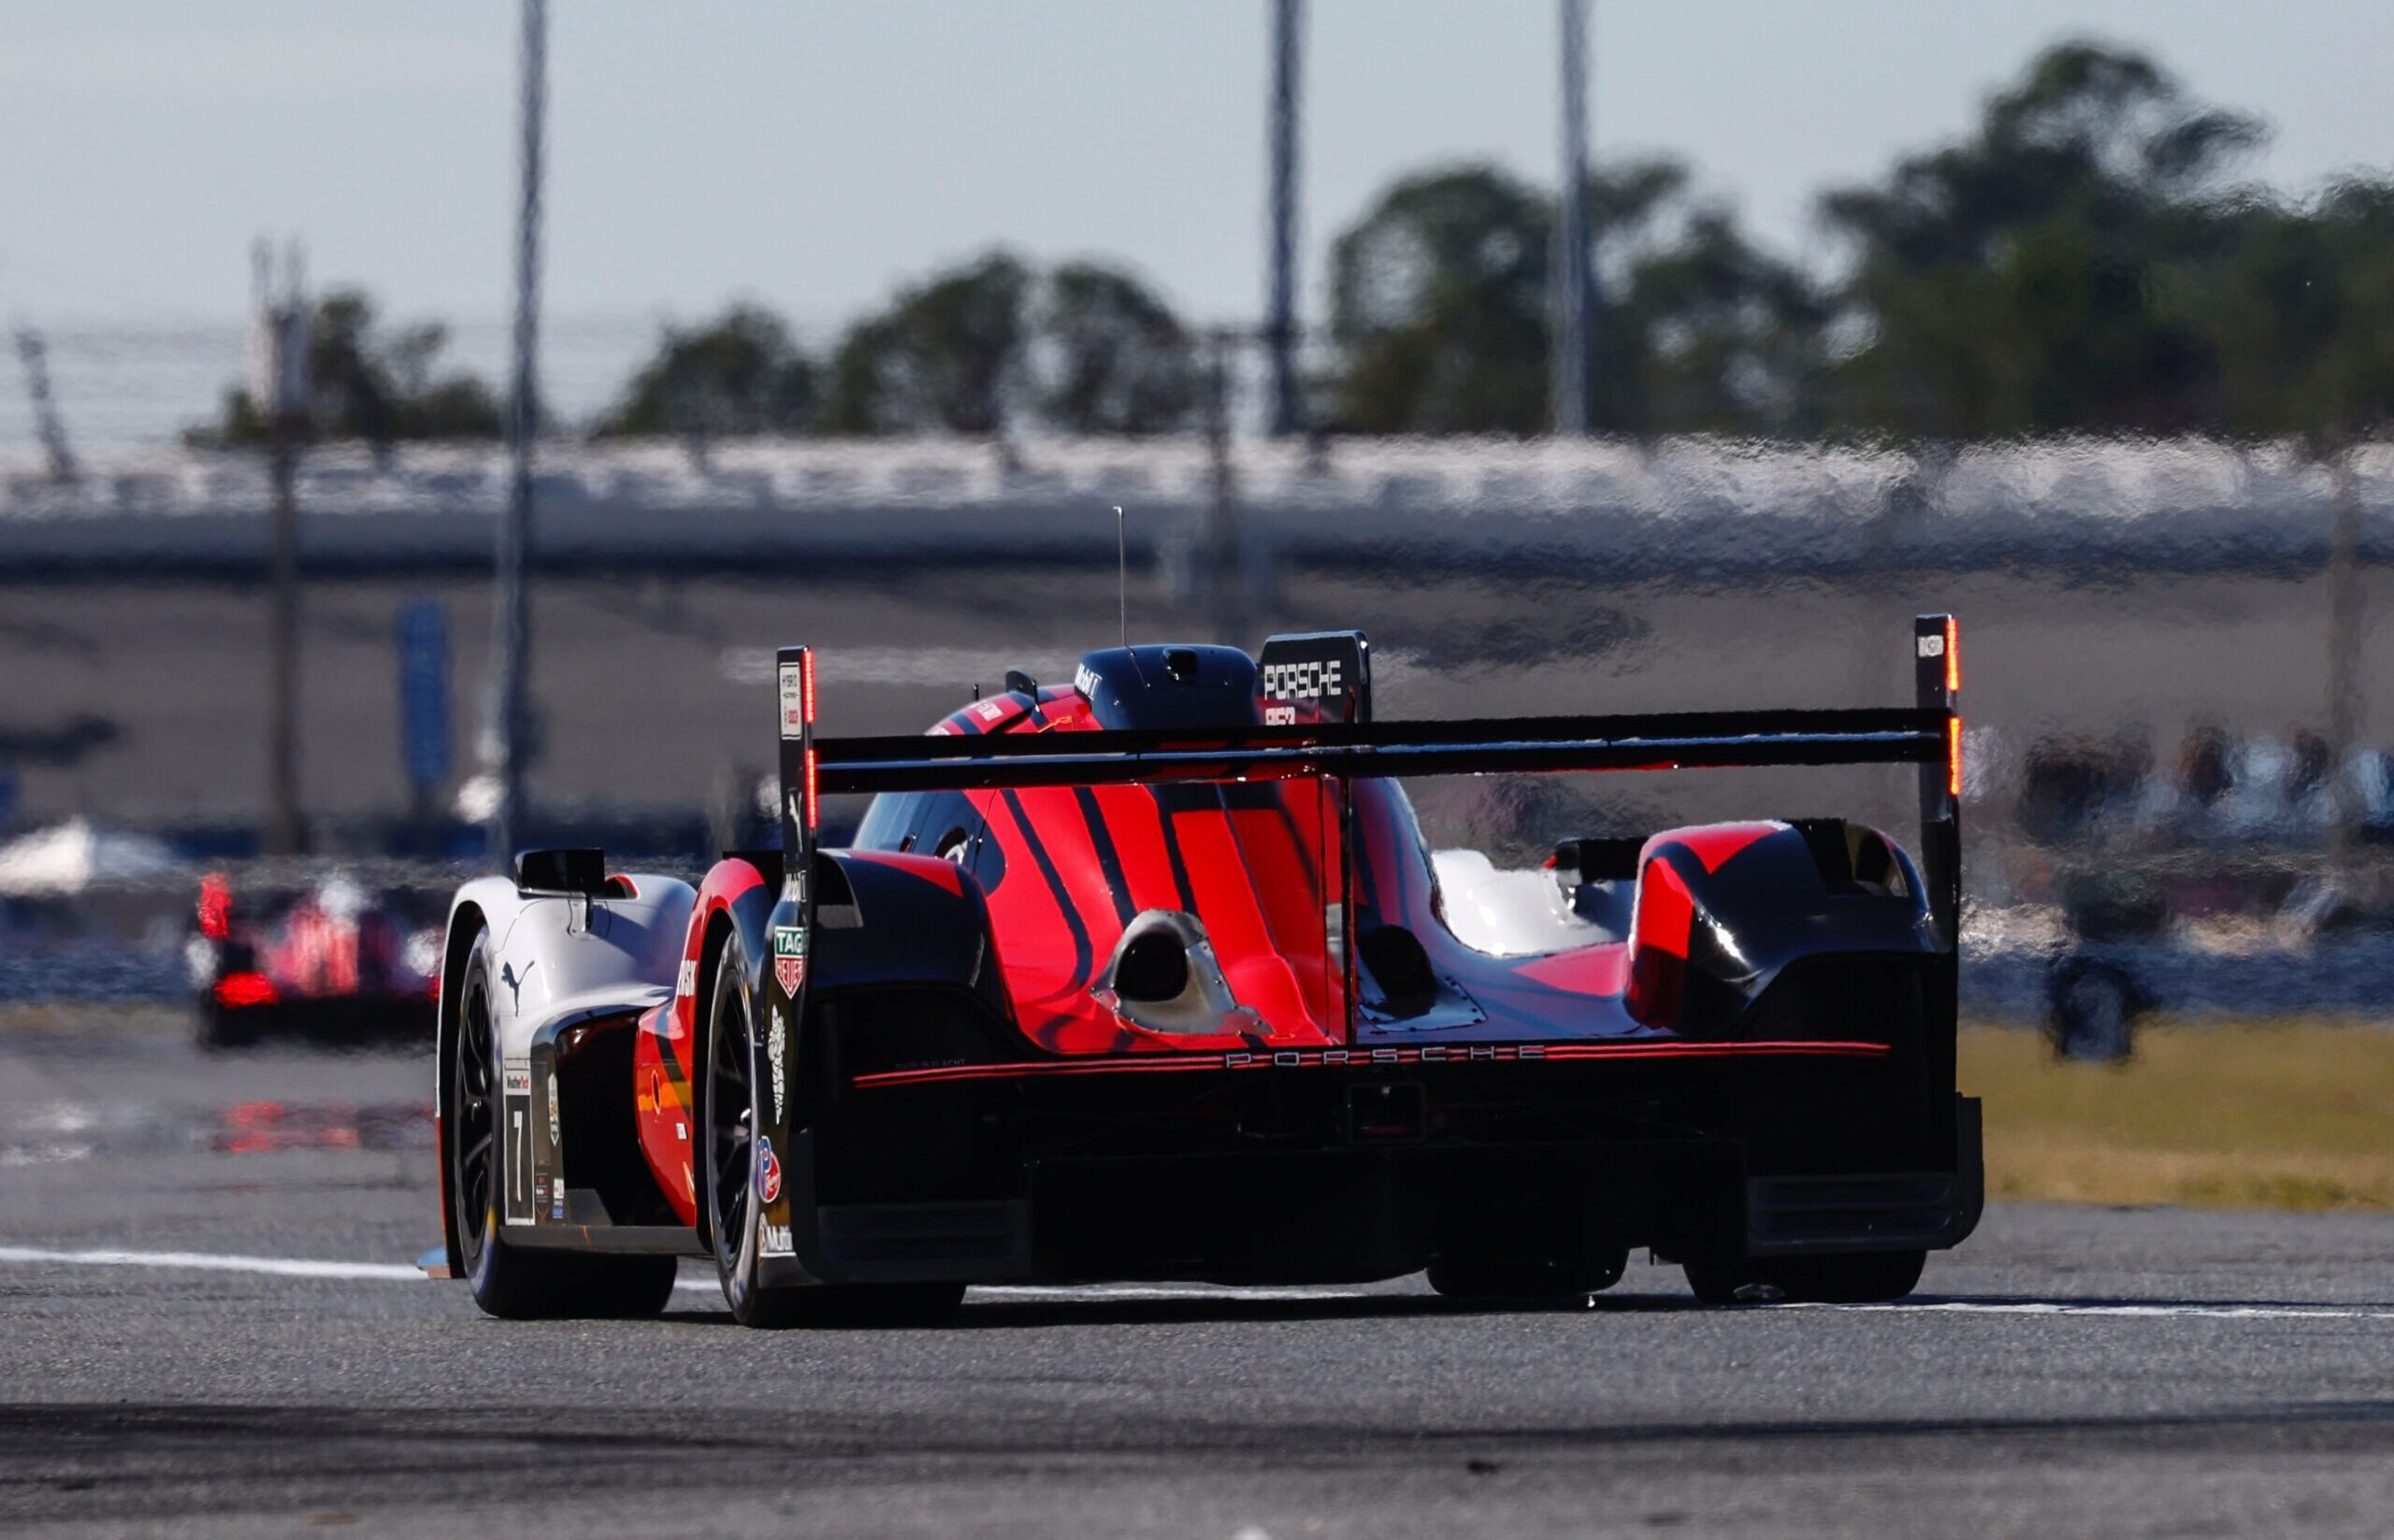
(1279, 716)
(1933, 645)
(556, 1122)
(777, 1241)
(769, 1172)
(1085, 679)
(687, 982)
(1435, 1052)
(789, 957)
(515, 1124)
(793, 702)
(990, 710)
(1310, 679)
(557, 1200)
(776, 1059)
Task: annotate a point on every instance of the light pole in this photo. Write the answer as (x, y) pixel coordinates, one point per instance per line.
(1569, 336)
(279, 388)
(512, 715)
(1281, 323)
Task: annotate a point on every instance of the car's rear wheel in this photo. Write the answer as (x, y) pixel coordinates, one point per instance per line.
(1484, 1278)
(518, 1283)
(1867, 1278)
(729, 1122)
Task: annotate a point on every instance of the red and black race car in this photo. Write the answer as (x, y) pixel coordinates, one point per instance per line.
(1152, 975)
(333, 961)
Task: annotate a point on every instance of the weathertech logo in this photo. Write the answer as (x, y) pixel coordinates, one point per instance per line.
(1310, 680)
(768, 1173)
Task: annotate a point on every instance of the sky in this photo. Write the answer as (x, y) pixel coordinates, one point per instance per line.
(812, 156)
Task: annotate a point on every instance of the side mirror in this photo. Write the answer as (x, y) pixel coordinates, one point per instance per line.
(577, 871)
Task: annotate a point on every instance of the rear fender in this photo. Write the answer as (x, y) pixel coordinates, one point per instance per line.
(1722, 910)
(887, 919)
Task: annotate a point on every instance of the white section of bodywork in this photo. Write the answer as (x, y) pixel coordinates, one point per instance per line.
(1508, 913)
(555, 956)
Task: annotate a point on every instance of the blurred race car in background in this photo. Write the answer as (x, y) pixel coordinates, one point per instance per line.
(333, 961)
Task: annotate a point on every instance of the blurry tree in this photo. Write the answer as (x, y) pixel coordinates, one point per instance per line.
(1439, 308)
(2048, 273)
(2300, 308)
(364, 384)
(1114, 358)
(739, 374)
(945, 356)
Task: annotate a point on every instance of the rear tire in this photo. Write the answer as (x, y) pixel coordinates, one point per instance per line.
(1872, 1277)
(728, 1123)
(218, 1028)
(519, 1282)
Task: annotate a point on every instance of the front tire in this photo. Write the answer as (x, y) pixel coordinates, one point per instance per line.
(517, 1283)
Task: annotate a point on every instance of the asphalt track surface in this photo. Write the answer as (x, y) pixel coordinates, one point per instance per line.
(169, 1366)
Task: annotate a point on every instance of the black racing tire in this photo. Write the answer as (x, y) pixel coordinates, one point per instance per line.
(727, 1127)
(217, 1028)
(1871, 1277)
(1481, 1279)
(512, 1282)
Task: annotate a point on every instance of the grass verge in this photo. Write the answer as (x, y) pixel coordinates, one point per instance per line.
(2295, 1114)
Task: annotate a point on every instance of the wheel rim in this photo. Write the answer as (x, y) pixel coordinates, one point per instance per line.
(476, 1123)
(730, 1112)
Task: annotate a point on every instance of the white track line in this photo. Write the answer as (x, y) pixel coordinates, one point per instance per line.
(2063, 1308)
(1105, 1293)
(280, 1267)
(293, 1267)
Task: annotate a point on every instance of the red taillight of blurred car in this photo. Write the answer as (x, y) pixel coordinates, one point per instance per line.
(237, 990)
(215, 907)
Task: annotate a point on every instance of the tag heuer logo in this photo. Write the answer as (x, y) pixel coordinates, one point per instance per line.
(789, 957)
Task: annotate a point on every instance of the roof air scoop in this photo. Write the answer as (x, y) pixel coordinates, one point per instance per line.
(1151, 686)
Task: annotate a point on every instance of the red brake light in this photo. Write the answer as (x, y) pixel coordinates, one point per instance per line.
(1953, 756)
(1953, 655)
(239, 989)
(215, 906)
(806, 708)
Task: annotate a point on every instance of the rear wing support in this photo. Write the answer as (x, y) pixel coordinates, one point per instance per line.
(1937, 686)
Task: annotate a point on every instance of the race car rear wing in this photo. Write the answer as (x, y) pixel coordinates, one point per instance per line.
(1928, 734)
